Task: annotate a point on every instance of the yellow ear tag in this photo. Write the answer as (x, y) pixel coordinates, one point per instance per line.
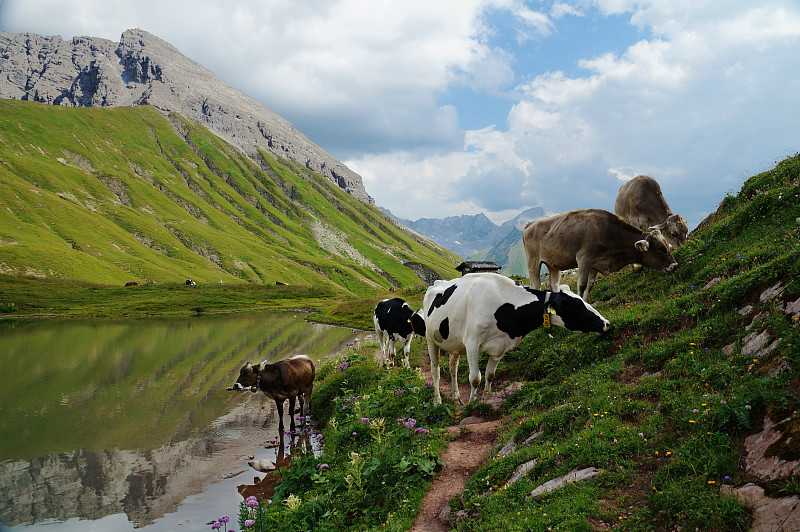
(546, 318)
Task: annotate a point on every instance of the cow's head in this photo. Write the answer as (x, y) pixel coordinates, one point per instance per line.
(674, 229)
(655, 252)
(418, 323)
(575, 314)
(248, 376)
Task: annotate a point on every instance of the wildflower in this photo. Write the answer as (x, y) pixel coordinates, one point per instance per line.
(293, 502)
(355, 458)
(249, 523)
(422, 431)
(343, 366)
(323, 466)
(252, 502)
(726, 479)
(747, 407)
(224, 519)
(365, 420)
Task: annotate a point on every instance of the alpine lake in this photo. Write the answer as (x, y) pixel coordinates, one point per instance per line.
(123, 424)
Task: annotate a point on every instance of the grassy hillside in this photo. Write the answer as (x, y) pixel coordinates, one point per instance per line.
(661, 404)
(126, 194)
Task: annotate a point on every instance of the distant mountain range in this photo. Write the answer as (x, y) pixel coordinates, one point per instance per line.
(475, 237)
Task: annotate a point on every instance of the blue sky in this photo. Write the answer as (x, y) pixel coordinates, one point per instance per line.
(466, 106)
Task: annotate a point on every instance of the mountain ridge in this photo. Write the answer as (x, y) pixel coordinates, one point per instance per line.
(476, 237)
(111, 195)
(142, 69)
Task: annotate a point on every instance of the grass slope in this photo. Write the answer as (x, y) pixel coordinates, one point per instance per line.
(126, 194)
(662, 402)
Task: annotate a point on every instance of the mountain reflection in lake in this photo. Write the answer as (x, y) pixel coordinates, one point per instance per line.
(123, 424)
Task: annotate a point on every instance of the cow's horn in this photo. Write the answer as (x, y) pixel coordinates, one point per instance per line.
(642, 245)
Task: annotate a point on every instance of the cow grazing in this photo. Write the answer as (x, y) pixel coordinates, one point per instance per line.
(488, 313)
(288, 379)
(594, 241)
(189, 282)
(640, 202)
(396, 323)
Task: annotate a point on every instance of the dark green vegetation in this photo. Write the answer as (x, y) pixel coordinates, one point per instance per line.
(109, 196)
(661, 403)
(382, 443)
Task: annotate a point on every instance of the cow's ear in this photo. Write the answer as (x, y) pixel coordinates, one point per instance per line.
(642, 245)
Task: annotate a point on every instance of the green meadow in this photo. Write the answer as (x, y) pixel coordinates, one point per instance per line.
(661, 404)
(110, 196)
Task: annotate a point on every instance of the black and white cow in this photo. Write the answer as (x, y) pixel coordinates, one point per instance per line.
(488, 313)
(396, 323)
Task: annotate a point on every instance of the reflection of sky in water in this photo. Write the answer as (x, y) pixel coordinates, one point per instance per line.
(176, 485)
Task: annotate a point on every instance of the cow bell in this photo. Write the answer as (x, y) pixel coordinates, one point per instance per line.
(253, 389)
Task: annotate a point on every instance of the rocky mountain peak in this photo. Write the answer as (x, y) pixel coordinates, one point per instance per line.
(144, 69)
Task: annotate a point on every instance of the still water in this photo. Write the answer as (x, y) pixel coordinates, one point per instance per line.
(126, 424)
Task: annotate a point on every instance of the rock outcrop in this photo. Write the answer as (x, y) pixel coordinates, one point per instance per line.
(142, 69)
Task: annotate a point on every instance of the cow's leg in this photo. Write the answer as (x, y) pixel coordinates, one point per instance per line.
(473, 358)
(391, 350)
(583, 279)
(407, 350)
(382, 341)
(379, 334)
(589, 284)
(555, 279)
(291, 413)
(535, 272)
(491, 366)
(279, 408)
(433, 353)
(454, 377)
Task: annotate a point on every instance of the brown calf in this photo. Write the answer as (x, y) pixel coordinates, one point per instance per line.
(288, 379)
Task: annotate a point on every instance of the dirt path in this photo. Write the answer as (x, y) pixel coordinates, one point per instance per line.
(475, 438)
(462, 458)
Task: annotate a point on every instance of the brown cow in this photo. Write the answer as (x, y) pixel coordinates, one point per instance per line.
(641, 203)
(593, 240)
(288, 379)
